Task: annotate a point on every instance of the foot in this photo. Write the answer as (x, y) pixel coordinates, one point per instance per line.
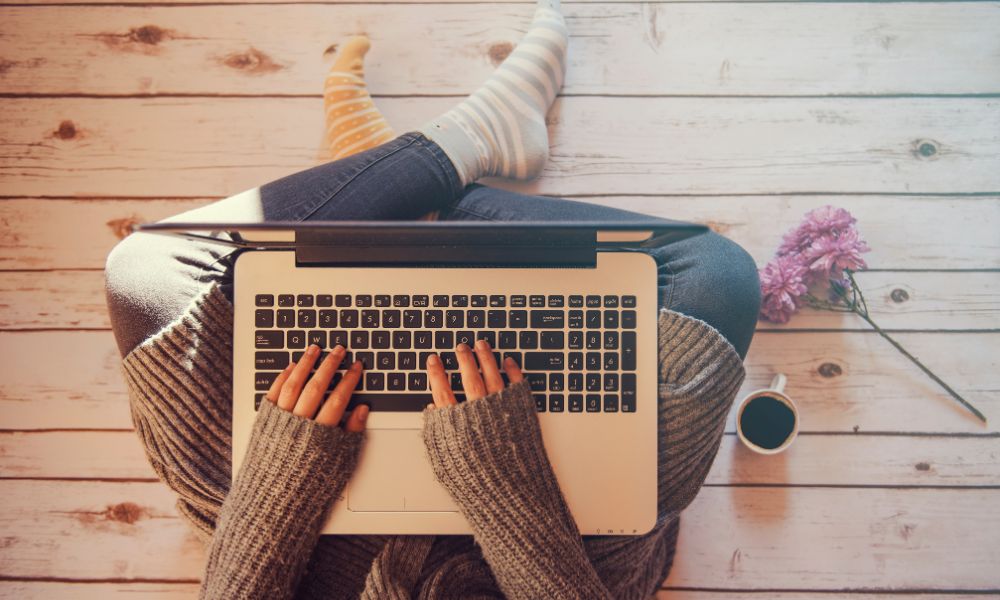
(353, 123)
(499, 130)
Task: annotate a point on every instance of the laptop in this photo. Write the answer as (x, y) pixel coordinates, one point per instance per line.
(575, 304)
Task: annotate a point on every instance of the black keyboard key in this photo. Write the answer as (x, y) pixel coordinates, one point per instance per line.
(507, 339)
(628, 351)
(385, 361)
(610, 361)
(264, 317)
(575, 361)
(449, 360)
(271, 361)
(390, 318)
(455, 318)
(593, 360)
(496, 319)
(296, 339)
(257, 399)
(628, 301)
(375, 381)
(553, 340)
(328, 318)
(422, 360)
(262, 381)
(593, 382)
(264, 299)
(544, 361)
(556, 403)
(417, 382)
(338, 337)
(396, 381)
(576, 301)
(610, 340)
(628, 319)
(444, 340)
(610, 382)
(576, 319)
(423, 340)
(537, 381)
(476, 319)
(593, 301)
(413, 319)
(478, 300)
(575, 403)
(460, 301)
(401, 300)
(348, 318)
(342, 300)
(366, 358)
(370, 319)
(539, 402)
(391, 402)
(324, 300)
(556, 381)
(548, 319)
(518, 301)
(307, 317)
(383, 300)
(575, 382)
(516, 356)
(441, 301)
(347, 361)
(556, 301)
(406, 361)
(518, 319)
(498, 301)
(363, 300)
(575, 340)
(611, 319)
(628, 392)
(593, 340)
(318, 338)
(593, 319)
(286, 318)
(433, 319)
(304, 300)
(269, 340)
(421, 301)
(286, 300)
(610, 402)
(465, 337)
(611, 302)
(489, 336)
(593, 402)
(528, 340)
(456, 382)
(381, 339)
(359, 339)
(536, 301)
(401, 340)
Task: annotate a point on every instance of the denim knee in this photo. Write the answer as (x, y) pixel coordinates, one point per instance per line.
(714, 279)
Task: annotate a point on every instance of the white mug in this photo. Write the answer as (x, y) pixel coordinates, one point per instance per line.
(763, 415)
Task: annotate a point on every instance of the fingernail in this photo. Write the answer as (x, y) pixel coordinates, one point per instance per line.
(362, 412)
(312, 349)
(463, 347)
(338, 349)
(433, 360)
(482, 345)
(357, 365)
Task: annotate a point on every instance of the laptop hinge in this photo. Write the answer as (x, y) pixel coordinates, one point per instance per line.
(453, 248)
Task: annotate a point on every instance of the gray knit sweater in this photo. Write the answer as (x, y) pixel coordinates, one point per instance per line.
(262, 529)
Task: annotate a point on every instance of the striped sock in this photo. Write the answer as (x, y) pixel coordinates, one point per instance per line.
(353, 124)
(500, 129)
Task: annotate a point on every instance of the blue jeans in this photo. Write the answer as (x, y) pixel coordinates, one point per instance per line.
(152, 278)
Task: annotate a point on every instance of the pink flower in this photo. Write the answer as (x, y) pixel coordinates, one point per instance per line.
(829, 255)
(782, 284)
(823, 221)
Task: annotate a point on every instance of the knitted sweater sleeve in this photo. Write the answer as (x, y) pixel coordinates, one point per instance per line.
(271, 519)
(489, 455)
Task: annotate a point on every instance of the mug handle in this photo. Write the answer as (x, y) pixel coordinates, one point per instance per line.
(778, 383)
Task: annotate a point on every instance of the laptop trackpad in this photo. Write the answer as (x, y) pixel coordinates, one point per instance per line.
(393, 474)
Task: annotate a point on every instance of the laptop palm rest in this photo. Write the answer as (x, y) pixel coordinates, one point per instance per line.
(392, 475)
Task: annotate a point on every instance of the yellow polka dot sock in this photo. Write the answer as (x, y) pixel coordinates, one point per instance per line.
(353, 123)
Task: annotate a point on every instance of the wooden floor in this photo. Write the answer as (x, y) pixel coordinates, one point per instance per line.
(742, 115)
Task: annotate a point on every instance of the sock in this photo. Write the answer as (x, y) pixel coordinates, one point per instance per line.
(500, 130)
(353, 124)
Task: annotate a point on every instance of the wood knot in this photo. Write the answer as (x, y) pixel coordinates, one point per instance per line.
(66, 131)
(251, 62)
(829, 369)
(926, 149)
(147, 34)
(899, 295)
(121, 228)
(922, 466)
(499, 52)
(124, 512)
(144, 39)
(330, 49)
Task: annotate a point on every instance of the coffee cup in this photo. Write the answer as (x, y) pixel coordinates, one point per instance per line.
(767, 420)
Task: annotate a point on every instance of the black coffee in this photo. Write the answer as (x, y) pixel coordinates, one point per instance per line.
(767, 422)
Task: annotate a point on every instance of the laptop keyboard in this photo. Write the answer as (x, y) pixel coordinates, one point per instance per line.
(577, 352)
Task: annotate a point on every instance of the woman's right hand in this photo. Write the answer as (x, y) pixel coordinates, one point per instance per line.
(296, 392)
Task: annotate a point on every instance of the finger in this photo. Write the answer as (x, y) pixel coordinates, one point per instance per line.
(359, 415)
(512, 369)
(335, 405)
(272, 393)
(491, 374)
(315, 389)
(472, 382)
(297, 379)
(440, 388)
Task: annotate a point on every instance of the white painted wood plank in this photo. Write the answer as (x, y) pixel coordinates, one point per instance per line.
(812, 460)
(671, 49)
(835, 539)
(950, 300)
(47, 234)
(129, 147)
(798, 538)
(841, 380)
(55, 590)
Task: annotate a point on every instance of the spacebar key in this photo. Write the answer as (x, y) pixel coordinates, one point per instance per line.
(392, 402)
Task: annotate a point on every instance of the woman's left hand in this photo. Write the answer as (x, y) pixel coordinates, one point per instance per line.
(475, 385)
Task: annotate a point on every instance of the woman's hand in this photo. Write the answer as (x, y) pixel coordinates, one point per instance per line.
(475, 385)
(301, 395)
